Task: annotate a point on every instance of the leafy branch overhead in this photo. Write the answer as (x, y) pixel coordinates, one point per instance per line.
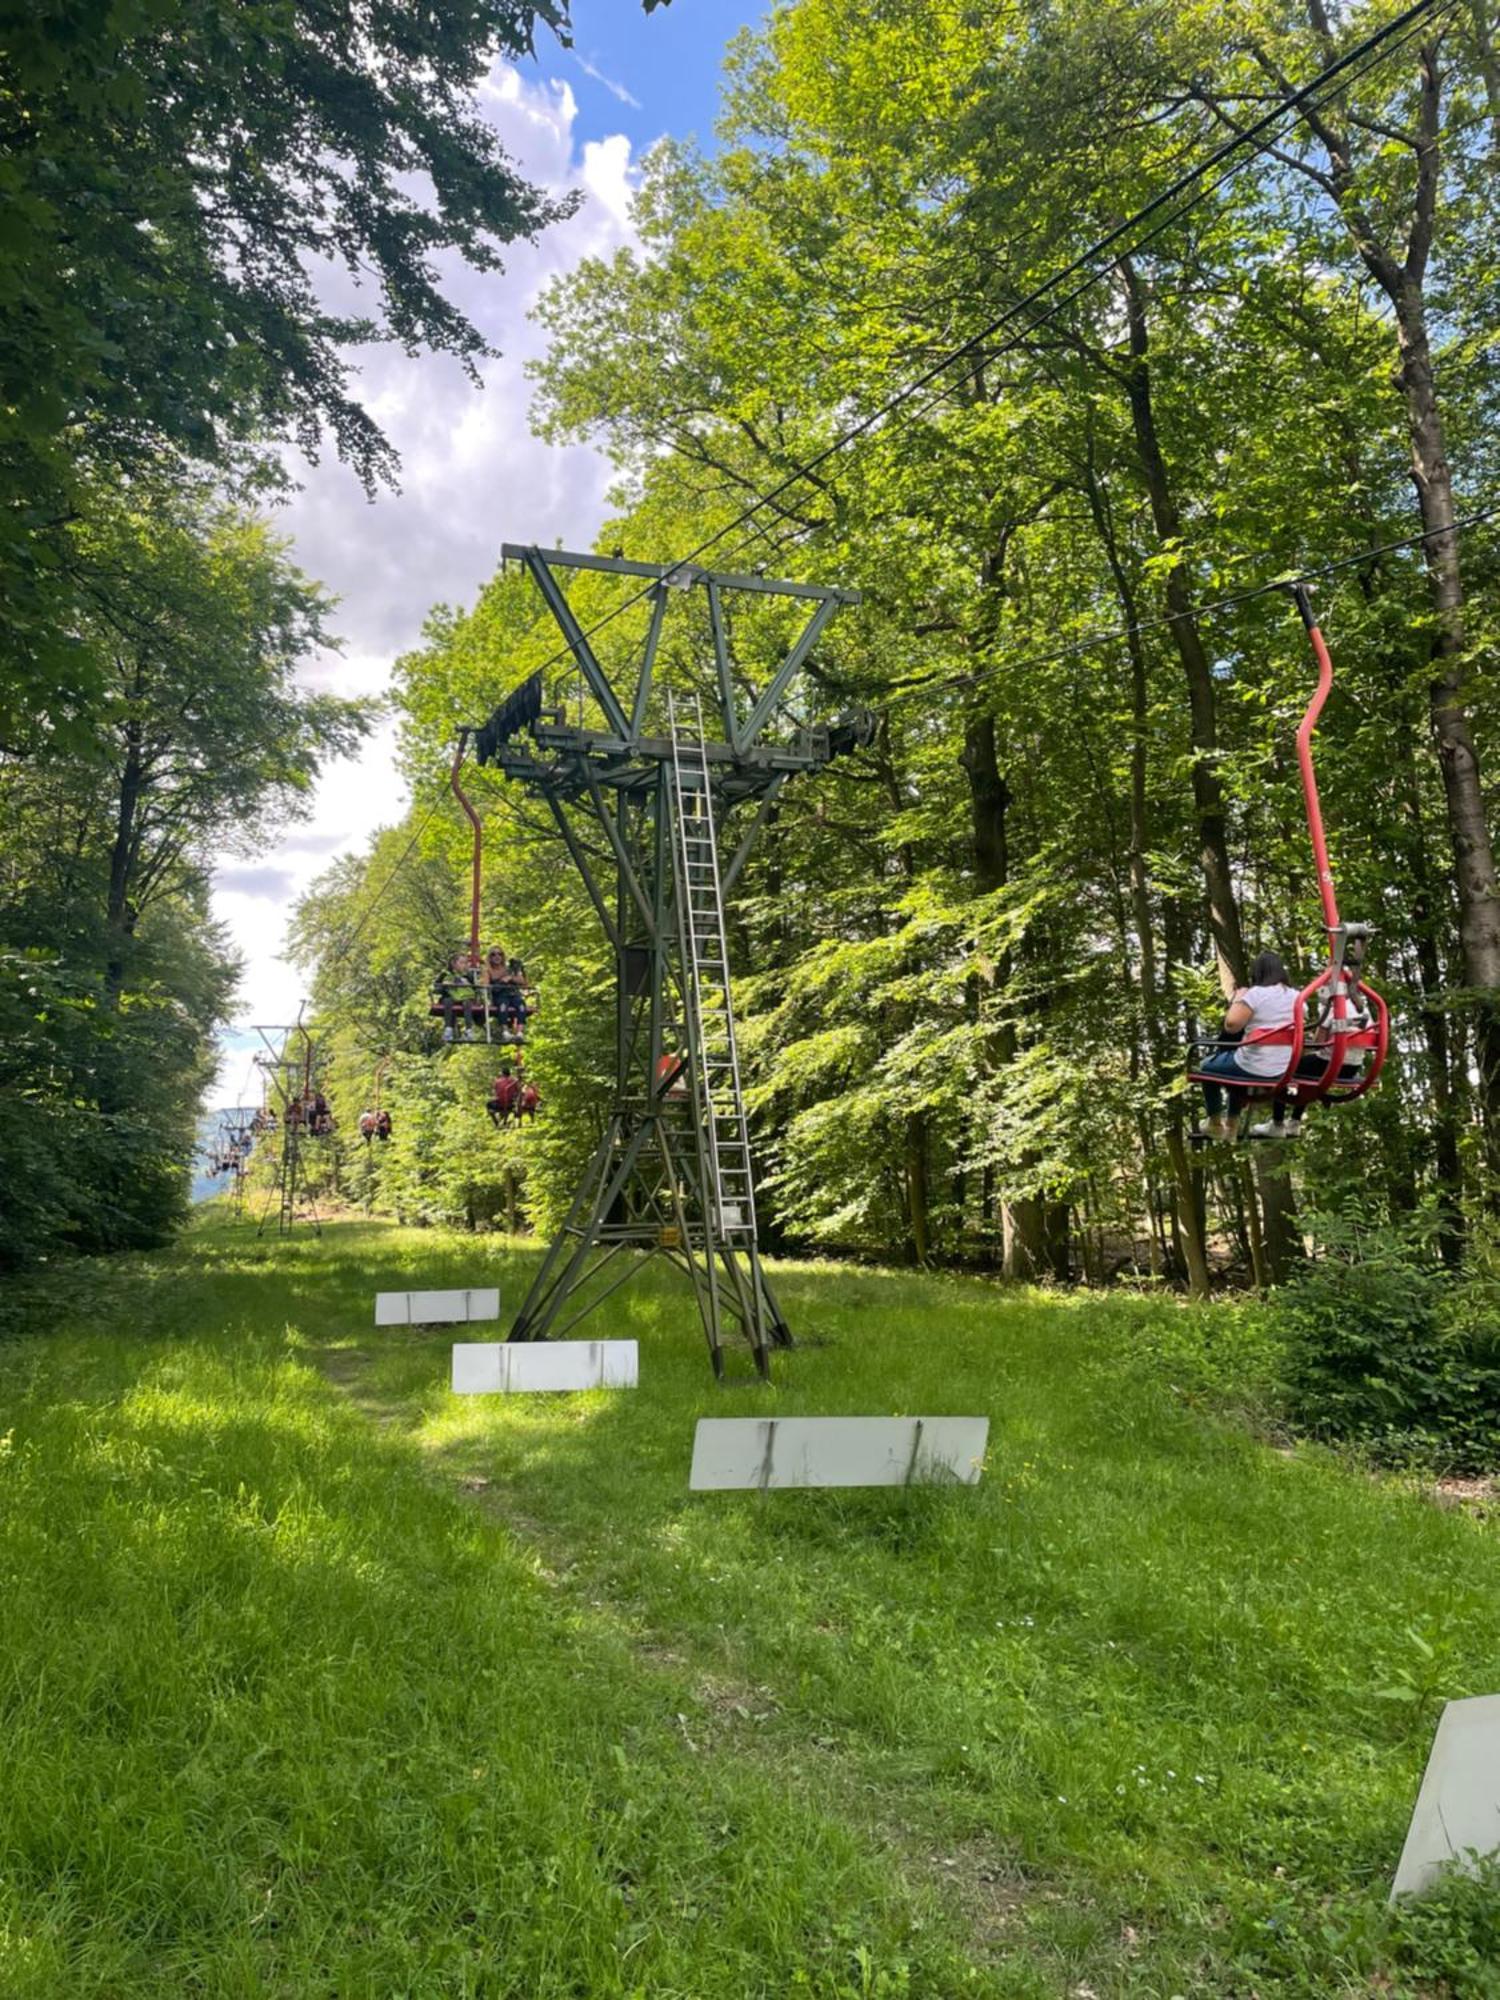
(207, 208)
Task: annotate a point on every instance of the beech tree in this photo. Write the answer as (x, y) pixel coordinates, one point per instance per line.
(207, 207)
(978, 949)
(114, 981)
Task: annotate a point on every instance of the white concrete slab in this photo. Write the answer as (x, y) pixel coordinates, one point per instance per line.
(1458, 1808)
(436, 1308)
(768, 1452)
(512, 1368)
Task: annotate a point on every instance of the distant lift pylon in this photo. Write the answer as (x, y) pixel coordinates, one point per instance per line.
(659, 827)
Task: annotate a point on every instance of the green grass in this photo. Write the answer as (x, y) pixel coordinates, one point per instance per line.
(318, 1681)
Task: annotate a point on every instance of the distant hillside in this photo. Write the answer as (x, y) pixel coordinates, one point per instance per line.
(205, 1184)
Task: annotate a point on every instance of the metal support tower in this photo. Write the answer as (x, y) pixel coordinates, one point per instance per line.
(289, 1076)
(234, 1134)
(660, 826)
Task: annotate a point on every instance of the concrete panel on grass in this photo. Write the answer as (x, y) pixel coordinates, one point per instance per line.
(769, 1452)
(513, 1368)
(436, 1308)
(1458, 1808)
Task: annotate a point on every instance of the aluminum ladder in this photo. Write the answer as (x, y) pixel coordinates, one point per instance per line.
(713, 1054)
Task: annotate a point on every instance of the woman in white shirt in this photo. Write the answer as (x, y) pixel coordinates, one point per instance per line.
(1267, 1002)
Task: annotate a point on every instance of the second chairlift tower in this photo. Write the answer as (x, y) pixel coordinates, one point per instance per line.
(678, 813)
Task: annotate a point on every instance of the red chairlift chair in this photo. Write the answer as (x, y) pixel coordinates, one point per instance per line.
(1337, 1017)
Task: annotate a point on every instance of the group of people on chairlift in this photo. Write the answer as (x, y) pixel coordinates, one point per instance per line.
(481, 999)
(1248, 1066)
(513, 1097)
(311, 1113)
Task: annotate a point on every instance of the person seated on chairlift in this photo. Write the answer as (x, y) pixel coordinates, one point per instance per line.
(529, 1101)
(1268, 1002)
(504, 1096)
(507, 978)
(382, 1125)
(455, 998)
(504, 994)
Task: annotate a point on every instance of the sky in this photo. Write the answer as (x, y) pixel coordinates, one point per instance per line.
(472, 475)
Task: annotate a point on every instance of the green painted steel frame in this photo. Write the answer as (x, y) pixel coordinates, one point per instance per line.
(647, 1186)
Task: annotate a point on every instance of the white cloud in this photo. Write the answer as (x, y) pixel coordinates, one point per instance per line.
(472, 476)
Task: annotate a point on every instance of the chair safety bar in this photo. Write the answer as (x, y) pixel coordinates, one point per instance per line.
(1339, 1035)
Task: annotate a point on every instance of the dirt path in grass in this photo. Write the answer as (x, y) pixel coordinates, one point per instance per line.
(720, 1717)
(347, 1368)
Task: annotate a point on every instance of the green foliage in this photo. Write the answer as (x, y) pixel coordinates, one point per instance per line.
(1117, 1718)
(113, 979)
(1226, 1357)
(973, 952)
(372, 933)
(1387, 1349)
(98, 1092)
(172, 177)
(1017, 955)
(1448, 1940)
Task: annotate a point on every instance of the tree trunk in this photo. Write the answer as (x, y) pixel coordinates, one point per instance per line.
(1458, 760)
(1165, 1059)
(1036, 1239)
(1260, 1269)
(1189, 1233)
(989, 802)
(1402, 277)
(1278, 1207)
(1208, 792)
(917, 1209)
(1433, 1018)
(118, 917)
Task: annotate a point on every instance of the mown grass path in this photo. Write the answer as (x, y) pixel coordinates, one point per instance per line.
(319, 1681)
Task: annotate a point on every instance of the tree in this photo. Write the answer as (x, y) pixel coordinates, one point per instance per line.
(113, 978)
(978, 948)
(206, 207)
(1397, 165)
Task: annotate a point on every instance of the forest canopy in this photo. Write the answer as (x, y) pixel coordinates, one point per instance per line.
(208, 211)
(977, 949)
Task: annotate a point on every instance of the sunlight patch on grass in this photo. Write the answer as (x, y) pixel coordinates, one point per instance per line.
(477, 1698)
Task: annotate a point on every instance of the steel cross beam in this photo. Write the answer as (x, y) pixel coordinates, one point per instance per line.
(649, 1190)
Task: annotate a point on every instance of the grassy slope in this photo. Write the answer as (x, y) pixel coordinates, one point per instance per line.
(318, 1681)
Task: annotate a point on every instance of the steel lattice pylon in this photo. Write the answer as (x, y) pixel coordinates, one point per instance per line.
(678, 814)
(288, 1076)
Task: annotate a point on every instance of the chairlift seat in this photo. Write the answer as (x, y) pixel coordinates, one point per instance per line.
(1355, 1046)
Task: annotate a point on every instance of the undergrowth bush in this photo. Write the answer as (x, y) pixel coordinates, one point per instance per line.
(1226, 1354)
(1388, 1349)
(1448, 1941)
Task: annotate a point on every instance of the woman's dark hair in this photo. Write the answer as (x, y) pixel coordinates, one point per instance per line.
(1268, 970)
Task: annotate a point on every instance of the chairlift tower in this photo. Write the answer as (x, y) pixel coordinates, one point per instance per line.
(659, 827)
(289, 1076)
(234, 1136)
